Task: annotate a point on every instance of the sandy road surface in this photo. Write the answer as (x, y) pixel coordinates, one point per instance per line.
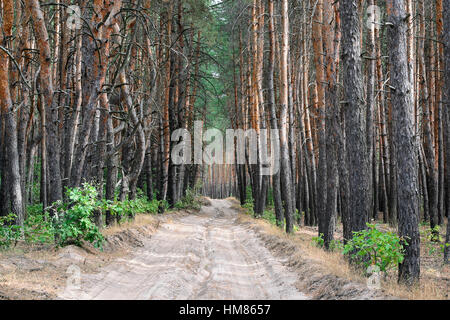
(201, 256)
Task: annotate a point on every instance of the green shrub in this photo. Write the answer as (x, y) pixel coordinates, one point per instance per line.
(141, 204)
(38, 226)
(432, 234)
(334, 244)
(298, 216)
(434, 241)
(269, 215)
(189, 201)
(74, 223)
(9, 233)
(374, 247)
(34, 209)
(270, 200)
(129, 208)
(248, 204)
(115, 208)
(318, 241)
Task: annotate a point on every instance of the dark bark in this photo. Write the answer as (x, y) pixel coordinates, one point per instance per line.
(11, 167)
(344, 188)
(446, 107)
(91, 93)
(355, 113)
(429, 161)
(12, 162)
(111, 169)
(440, 201)
(405, 143)
(370, 112)
(43, 182)
(149, 173)
(50, 107)
(393, 195)
(423, 183)
(286, 177)
(332, 43)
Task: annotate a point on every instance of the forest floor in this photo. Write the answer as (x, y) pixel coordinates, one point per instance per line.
(434, 274)
(306, 256)
(216, 253)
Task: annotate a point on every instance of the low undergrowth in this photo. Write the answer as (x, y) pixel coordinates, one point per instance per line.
(190, 201)
(74, 220)
(370, 247)
(378, 246)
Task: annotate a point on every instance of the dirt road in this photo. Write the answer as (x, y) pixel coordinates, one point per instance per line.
(200, 256)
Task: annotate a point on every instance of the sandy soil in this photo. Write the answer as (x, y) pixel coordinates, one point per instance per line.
(201, 256)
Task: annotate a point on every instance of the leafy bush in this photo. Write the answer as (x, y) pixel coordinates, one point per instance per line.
(318, 241)
(189, 201)
(129, 208)
(74, 223)
(269, 215)
(434, 241)
(141, 204)
(432, 234)
(270, 200)
(9, 233)
(38, 226)
(248, 206)
(34, 209)
(334, 244)
(115, 208)
(374, 247)
(298, 216)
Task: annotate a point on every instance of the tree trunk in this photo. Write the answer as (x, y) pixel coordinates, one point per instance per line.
(355, 123)
(331, 37)
(446, 107)
(11, 166)
(276, 186)
(320, 79)
(286, 178)
(405, 142)
(51, 108)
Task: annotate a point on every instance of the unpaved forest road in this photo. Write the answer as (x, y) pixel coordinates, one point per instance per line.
(200, 256)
